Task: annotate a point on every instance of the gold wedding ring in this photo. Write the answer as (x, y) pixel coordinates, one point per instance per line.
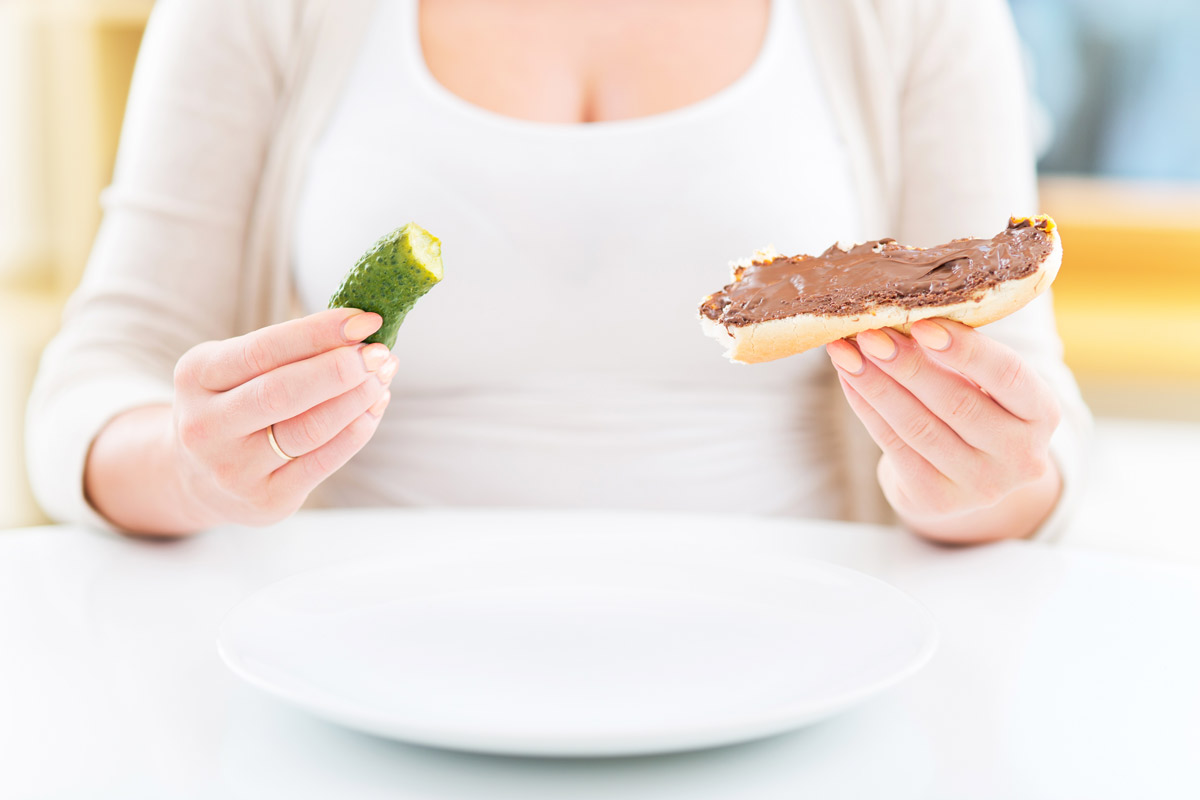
(275, 445)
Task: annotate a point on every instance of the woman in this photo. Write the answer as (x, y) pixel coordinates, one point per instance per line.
(590, 168)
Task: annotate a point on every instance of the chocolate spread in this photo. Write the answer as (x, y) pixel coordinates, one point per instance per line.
(881, 272)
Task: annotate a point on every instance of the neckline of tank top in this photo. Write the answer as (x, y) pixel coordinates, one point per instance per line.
(435, 91)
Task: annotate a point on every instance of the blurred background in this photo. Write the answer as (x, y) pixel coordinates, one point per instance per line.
(1115, 89)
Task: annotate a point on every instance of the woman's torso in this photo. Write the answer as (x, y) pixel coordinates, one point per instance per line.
(561, 363)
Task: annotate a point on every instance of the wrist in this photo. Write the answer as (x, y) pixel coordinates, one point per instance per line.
(1018, 515)
(136, 479)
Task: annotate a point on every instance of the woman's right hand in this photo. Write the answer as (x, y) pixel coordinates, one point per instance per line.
(309, 380)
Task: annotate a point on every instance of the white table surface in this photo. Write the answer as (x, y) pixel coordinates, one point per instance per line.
(1062, 673)
(1140, 493)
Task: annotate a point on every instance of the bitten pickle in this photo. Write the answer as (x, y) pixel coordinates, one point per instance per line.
(390, 277)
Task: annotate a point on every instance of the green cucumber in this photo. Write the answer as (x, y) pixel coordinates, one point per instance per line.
(390, 277)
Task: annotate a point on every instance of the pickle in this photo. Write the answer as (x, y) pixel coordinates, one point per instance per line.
(390, 277)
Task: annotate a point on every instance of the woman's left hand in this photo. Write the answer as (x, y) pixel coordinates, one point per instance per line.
(964, 424)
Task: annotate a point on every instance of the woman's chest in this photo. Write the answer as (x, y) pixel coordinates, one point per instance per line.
(564, 62)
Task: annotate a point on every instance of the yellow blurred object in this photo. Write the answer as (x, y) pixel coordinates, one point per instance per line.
(1128, 295)
(93, 46)
(65, 67)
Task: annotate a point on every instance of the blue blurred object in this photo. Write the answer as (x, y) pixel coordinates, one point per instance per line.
(1119, 84)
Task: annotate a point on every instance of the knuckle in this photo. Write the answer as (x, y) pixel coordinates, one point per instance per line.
(321, 463)
(1024, 460)
(1029, 467)
(345, 367)
(359, 431)
(965, 347)
(312, 429)
(325, 328)
(873, 390)
(966, 406)
(921, 429)
(270, 397)
(363, 427)
(256, 355)
(906, 368)
(192, 430)
(890, 441)
(368, 392)
(1012, 375)
(189, 367)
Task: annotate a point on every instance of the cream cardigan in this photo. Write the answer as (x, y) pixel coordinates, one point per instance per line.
(230, 96)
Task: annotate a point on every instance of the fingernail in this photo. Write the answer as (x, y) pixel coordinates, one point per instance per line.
(360, 326)
(931, 335)
(388, 370)
(877, 344)
(373, 356)
(845, 356)
(376, 410)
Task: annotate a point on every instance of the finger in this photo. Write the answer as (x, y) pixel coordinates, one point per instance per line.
(904, 414)
(235, 361)
(906, 497)
(294, 388)
(299, 477)
(906, 461)
(999, 370)
(957, 401)
(306, 432)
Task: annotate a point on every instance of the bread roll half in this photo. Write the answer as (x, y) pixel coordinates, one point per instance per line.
(749, 341)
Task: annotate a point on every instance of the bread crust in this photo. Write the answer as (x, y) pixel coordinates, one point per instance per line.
(778, 338)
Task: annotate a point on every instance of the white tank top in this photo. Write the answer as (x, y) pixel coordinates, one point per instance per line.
(561, 363)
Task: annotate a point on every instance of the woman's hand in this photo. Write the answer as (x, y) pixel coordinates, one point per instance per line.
(308, 380)
(208, 460)
(964, 425)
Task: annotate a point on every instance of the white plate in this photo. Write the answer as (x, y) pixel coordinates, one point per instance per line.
(577, 646)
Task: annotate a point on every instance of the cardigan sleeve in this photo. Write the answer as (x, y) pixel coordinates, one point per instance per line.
(966, 165)
(164, 269)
